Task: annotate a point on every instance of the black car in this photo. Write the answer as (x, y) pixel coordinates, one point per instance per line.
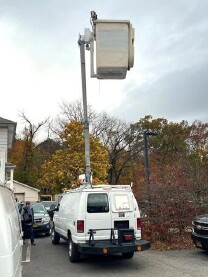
(200, 231)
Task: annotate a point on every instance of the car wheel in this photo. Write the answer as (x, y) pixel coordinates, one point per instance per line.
(128, 255)
(55, 238)
(74, 255)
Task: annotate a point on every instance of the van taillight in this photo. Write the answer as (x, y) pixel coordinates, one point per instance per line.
(128, 237)
(139, 224)
(80, 226)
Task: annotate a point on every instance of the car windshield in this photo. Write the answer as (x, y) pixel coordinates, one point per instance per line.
(47, 204)
(38, 208)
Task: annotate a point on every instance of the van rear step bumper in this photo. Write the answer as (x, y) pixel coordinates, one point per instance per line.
(106, 247)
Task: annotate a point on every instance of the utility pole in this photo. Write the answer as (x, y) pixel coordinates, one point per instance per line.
(86, 41)
(81, 43)
(112, 61)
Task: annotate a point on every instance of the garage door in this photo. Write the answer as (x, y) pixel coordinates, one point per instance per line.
(20, 196)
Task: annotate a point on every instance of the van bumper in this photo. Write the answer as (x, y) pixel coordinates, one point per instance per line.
(106, 247)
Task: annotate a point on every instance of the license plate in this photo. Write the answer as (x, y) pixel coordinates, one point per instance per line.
(198, 244)
(121, 214)
(35, 225)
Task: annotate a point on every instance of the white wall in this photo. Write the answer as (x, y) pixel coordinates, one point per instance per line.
(2, 165)
(3, 152)
(3, 140)
(30, 194)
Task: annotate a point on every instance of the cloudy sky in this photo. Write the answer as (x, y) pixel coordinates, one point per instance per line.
(40, 59)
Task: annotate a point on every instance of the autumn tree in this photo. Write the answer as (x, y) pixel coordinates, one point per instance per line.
(68, 163)
(16, 156)
(112, 132)
(24, 155)
(196, 166)
(171, 207)
(168, 146)
(69, 112)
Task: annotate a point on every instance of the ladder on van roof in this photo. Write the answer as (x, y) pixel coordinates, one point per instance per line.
(86, 186)
(111, 186)
(106, 186)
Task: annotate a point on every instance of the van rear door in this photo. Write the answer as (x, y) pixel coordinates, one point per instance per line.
(98, 215)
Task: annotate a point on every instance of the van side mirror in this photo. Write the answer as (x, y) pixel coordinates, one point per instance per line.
(52, 207)
(56, 209)
(51, 211)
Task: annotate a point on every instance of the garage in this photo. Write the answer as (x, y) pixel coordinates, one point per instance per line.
(20, 197)
(24, 192)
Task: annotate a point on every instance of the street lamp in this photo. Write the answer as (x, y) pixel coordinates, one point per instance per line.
(146, 134)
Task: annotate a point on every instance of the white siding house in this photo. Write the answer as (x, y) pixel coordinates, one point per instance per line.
(21, 191)
(3, 141)
(7, 134)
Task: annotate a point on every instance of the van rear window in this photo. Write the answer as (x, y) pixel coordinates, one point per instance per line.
(97, 203)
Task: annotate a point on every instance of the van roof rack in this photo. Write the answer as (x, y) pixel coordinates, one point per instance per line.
(111, 186)
(102, 186)
(85, 186)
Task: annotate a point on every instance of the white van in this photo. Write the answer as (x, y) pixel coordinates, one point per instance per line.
(99, 219)
(10, 234)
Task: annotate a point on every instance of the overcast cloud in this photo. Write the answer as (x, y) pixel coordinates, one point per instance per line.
(40, 60)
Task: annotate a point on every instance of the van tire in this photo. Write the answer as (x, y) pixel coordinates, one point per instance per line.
(128, 255)
(74, 254)
(55, 238)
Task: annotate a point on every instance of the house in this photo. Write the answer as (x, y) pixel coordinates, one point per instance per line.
(8, 130)
(7, 134)
(21, 191)
(24, 192)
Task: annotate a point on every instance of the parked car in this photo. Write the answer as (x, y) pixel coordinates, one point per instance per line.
(42, 222)
(50, 207)
(200, 231)
(49, 204)
(99, 220)
(10, 234)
